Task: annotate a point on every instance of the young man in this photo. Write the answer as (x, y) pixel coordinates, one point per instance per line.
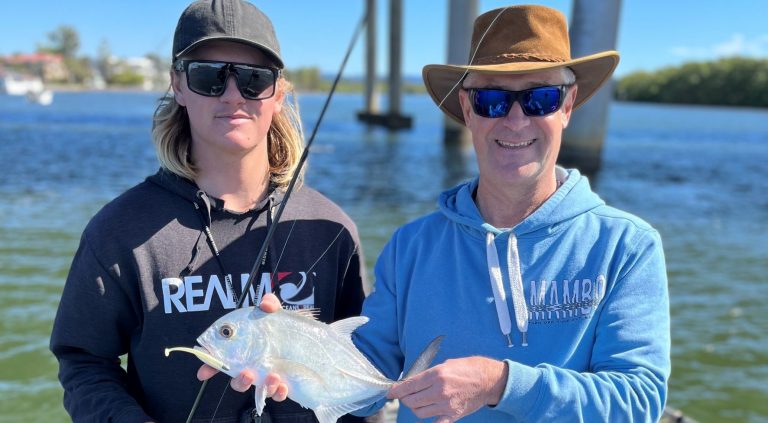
(164, 260)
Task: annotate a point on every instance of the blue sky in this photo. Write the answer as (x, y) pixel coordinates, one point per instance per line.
(652, 33)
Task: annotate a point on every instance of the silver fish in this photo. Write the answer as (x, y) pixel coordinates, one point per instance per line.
(322, 368)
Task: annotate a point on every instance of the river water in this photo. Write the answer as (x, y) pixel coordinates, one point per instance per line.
(698, 174)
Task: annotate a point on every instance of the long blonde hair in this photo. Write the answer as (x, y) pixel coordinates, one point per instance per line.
(172, 138)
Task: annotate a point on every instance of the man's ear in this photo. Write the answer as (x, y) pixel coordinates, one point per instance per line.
(570, 100)
(279, 95)
(466, 108)
(176, 87)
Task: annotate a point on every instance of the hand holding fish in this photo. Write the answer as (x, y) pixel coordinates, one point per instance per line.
(276, 389)
(453, 389)
(287, 353)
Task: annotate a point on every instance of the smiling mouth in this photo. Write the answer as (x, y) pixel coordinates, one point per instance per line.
(515, 145)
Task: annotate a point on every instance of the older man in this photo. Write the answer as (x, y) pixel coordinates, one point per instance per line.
(554, 306)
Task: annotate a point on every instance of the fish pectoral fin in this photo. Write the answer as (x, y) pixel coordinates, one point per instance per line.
(292, 368)
(260, 398)
(295, 371)
(329, 414)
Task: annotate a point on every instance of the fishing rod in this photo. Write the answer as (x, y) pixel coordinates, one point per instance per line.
(260, 258)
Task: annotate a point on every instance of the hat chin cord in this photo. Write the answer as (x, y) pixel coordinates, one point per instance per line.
(472, 59)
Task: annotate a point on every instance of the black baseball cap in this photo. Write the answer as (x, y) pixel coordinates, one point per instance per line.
(228, 20)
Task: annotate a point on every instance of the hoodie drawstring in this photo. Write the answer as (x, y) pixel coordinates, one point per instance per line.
(516, 285)
(206, 220)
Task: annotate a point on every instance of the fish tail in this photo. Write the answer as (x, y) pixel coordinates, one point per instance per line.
(425, 358)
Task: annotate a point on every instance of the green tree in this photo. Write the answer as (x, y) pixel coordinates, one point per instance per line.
(126, 78)
(103, 60)
(79, 69)
(64, 40)
(305, 79)
(733, 81)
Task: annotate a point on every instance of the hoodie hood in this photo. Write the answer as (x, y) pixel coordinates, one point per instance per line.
(572, 199)
(189, 190)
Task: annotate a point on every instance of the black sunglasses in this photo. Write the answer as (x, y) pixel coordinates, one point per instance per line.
(496, 103)
(209, 78)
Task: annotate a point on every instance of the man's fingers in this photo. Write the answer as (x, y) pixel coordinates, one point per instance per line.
(418, 400)
(395, 391)
(276, 389)
(272, 379)
(274, 384)
(282, 393)
(431, 410)
(206, 372)
(243, 381)
(400, 390)
(270, 303)
(271, 383)
(410, 386)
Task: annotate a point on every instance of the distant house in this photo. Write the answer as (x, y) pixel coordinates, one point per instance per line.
(144, 67)
(152, 77)
(48, 66)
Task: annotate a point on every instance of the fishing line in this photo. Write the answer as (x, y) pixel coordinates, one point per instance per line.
(285, 246)
(270, 233)
(472, 59)
(213, 416)
(258, 264)
(327, 249)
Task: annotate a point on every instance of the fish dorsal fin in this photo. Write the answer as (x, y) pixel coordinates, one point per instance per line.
(310, 313)
(345, 327)
(329, 414)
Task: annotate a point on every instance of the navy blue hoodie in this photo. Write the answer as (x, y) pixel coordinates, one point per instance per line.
(145, 277)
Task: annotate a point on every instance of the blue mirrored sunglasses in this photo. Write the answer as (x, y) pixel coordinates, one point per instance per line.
(496, 103)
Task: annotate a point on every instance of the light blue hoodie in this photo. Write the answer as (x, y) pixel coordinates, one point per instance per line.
(574, 298)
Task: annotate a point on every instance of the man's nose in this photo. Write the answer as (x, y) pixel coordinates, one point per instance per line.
(231, 91)
(516, 119)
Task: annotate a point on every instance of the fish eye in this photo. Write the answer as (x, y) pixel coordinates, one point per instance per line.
(226, 331)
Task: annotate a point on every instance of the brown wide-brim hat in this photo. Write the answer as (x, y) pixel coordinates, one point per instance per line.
(515, 40)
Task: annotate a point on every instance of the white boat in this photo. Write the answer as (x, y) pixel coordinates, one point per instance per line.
(18, 84)
(44, 97)
(30, 86)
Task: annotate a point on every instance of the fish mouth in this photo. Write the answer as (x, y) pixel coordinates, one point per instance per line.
(203, 355)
